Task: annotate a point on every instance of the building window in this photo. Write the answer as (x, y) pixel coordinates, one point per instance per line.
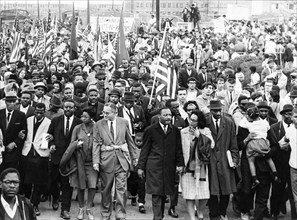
(137, 4)
(141, 4)
(169, 5)
(291, 6)
(181, 5)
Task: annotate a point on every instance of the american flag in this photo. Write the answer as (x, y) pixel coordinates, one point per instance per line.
(2, 51)
(16, 43)
(39, 45)
(112, 53)
(165, 75)
(49, 38)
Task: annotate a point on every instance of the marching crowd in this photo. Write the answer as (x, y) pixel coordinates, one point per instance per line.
(82, 125)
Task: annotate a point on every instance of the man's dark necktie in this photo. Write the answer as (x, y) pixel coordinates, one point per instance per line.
(217, 126)
(8, 118)
(67, 127)
(111, 130)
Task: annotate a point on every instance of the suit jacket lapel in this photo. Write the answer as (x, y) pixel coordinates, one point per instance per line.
(221, 127)
(118, 127)
(106, 128)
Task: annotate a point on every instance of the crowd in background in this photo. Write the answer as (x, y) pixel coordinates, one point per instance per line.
(88, 124)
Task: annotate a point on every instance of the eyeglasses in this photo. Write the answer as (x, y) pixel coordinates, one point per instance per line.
(11, 182)
(190, 110)
(101, 79)
(203, 68)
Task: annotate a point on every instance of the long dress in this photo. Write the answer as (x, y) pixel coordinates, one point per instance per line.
(192, 187)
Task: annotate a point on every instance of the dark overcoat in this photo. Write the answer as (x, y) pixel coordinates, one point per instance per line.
(160, 155)
(221, 175)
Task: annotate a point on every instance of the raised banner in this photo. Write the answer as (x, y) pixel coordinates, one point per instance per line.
(111, 24)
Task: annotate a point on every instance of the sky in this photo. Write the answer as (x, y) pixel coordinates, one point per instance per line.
(78, 3)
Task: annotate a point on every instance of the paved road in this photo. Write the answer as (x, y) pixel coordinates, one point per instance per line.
(132, 211)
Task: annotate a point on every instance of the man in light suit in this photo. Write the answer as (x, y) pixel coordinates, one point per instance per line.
(112, 148)
(60, 129)
(229, 95)
(35, 156)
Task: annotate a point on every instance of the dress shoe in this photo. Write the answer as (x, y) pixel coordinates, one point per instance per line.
(36, 210)
(43, 198)
(133, 201)
(223, 217)
(65, 215)
(90, 214)
(167, 199)
(120, 218)
(266, 213)
(283, 208)
(235, 206)
(273, 217)
(172, 213)
(245, 216)
(142, 209)
(80, 215)
(55, 205)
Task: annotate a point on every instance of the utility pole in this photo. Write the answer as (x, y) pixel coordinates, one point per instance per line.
(158, 14)
(60, 10)
(153, 6)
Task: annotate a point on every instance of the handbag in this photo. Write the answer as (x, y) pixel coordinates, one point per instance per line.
(203, 144)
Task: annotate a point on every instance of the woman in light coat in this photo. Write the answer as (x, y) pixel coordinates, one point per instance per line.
(194, 179)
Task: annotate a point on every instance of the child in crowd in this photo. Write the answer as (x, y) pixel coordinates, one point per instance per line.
(259, 145)
(136, 186)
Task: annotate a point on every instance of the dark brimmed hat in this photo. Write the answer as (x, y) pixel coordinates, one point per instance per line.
(129, 96)
(215, 104)
(115, 92)
(263, 104)
(101, 72)
(10, 96)
(56, 101)
(286, 108)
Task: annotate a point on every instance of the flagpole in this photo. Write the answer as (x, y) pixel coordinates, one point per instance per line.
(38, 11)
(154, 82)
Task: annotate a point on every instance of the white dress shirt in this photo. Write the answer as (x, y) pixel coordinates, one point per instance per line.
(25, 110)
(10, 212)
(214, 122)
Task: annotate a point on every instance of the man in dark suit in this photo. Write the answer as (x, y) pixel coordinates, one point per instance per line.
(61, 128)
(203, 76)
(160, 158)
(222, 178)
(114, 153)
(133, 113)
(187, 73)
(12, 122)
(25, 104)
(93, 101)
(281, 155)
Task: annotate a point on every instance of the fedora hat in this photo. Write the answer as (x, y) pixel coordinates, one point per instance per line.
(55, 101)
(10, 96)
(115, 92)
(286, 108)
(129, 96)
(96, 63)
(40, 84)
(215, 104)
(28, 87)
(263, 104)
